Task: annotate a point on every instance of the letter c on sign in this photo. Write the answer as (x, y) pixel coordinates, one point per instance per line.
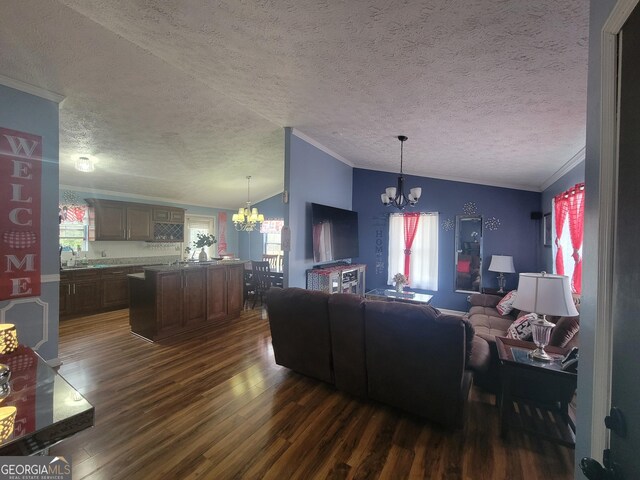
(13, 216)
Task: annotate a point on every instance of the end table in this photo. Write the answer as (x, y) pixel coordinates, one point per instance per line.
(535, 395)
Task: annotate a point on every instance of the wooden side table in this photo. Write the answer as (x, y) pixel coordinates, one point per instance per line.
(535, 395)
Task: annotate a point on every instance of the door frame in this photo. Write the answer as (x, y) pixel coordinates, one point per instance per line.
(609, 128)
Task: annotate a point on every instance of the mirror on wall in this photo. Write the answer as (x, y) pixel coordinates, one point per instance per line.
(468, 262)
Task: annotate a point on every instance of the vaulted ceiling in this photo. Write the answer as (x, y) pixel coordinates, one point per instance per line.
(182, 99)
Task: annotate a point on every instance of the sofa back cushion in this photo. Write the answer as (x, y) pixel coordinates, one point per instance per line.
(346, 321)
(299, 322)
(565, 330)
(410, 348)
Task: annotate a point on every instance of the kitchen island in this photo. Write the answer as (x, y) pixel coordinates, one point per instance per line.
(168, 300)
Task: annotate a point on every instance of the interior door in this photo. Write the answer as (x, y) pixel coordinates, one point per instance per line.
(625, 392)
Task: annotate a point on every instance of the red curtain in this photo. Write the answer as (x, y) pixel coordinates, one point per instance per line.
(561, 211)
(575, 201)
(410, 228)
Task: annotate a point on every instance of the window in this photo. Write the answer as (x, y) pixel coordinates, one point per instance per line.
(196, 225)
(568, 229)
(271, 230)
(73, 228)
(413, 249)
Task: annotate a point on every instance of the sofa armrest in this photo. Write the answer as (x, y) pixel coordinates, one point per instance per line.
(484, 300)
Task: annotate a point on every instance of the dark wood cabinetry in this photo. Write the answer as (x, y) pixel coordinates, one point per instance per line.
(167, 301)
(115, 287)
(114, 220)
(79, 292)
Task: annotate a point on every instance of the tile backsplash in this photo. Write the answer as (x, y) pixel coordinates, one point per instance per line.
(104, 252)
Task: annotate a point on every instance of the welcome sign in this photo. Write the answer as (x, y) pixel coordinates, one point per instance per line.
(20, 178)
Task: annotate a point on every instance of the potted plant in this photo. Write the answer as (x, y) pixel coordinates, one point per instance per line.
(204, 240)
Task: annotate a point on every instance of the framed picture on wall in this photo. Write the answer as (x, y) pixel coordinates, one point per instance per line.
(546, 230)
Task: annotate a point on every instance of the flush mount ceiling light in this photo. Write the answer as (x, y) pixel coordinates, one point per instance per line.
(247, 219)
(85, 164)
(395, 195)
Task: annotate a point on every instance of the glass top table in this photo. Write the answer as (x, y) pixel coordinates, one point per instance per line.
(393, 296)
(46, 409)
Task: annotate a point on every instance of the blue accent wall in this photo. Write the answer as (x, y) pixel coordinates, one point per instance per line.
(37, 318)
(311, 176)
(251, 244)
(517, 234)
(568, 180)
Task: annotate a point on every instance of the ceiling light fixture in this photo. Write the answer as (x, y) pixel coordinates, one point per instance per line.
(247, 219)
(395, 195)
(84, 164)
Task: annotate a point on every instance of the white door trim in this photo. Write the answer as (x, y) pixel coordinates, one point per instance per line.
(606, 220)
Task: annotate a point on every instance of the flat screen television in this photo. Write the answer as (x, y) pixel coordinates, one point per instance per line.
(335, 233)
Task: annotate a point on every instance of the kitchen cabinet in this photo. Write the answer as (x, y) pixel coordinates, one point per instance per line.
(79, 292)
(216, 293)
(171, 300)
(114, 220)
(115, 288)
(111, 220)
(235, 290)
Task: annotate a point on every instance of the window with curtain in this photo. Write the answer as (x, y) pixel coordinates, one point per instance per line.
(73, 227)
(413, 249)
(568, 231)
(196, 225)
(271, 229)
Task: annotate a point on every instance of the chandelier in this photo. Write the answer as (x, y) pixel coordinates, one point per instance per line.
(247, 219)
(395, 195)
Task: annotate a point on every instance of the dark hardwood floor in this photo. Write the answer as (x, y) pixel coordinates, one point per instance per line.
(215, 405)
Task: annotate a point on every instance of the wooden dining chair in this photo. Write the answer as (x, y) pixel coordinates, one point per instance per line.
(261, 280)
(272, 259)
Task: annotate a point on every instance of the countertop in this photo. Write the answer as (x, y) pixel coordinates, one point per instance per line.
(191, 265)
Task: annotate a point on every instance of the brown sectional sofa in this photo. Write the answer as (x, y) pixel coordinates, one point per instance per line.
(408, 356)
(489, 324)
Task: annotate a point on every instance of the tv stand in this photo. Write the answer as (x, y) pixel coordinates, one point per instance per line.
(345, 278)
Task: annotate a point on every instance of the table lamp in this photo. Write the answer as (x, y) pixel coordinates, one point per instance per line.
(501, 264)
(8, 338)
(544, 294)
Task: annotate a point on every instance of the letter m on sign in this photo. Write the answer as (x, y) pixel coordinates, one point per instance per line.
(20, 224)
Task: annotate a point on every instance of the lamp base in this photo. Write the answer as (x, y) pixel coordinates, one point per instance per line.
(501, 282)
(540, 355)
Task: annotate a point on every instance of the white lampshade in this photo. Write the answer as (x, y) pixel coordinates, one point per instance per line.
(416, 192)
(545, 294)
(391, 192)
(384, 197)
(502, 264)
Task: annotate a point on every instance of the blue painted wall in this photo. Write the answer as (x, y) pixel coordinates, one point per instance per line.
(311, 176)
(251, 244)
(37, 319)
(517, 234)
(573, 176)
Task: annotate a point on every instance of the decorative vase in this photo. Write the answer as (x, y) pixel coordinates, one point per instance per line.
(203, 255)
(399, 287)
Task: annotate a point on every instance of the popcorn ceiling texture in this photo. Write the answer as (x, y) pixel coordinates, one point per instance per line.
(490, 91)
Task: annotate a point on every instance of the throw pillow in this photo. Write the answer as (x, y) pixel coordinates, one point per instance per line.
(505, 305)
(521, 328)
(464, 266)
(564, 331)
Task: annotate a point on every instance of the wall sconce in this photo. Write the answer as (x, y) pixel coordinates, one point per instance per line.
(8, 338)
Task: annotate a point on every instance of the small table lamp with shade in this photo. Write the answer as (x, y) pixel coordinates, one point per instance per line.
(544, 294)
(501, 264)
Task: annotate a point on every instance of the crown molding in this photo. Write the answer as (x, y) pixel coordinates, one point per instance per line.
(31, 89)
(319, 146)
(573, 161)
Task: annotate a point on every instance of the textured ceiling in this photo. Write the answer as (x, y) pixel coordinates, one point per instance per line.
(182, 99)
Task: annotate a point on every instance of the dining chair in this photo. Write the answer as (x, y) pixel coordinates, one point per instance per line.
(272, 259)
(261, 280)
